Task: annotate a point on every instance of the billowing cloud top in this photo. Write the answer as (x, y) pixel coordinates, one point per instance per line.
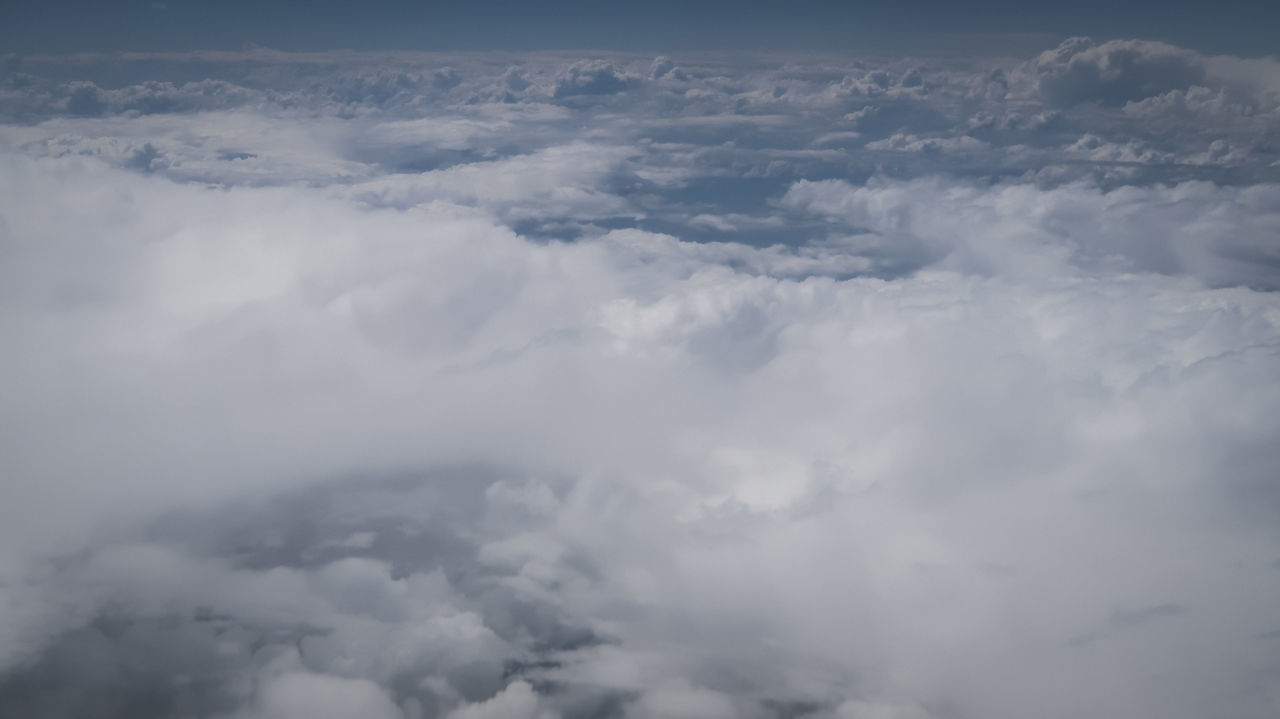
(489, 385)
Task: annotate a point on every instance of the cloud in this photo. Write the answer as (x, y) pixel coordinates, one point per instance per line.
(1119, 72)
(1027, 230)
(592, 78)
(1114, 72)
(1142, 616)
(300, 695)
(413, 386)
(517, 700)
(664, 67)
(911, 143)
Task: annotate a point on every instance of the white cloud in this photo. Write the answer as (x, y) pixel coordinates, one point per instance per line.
(1220, 235)
(296, 429)
(912, 143)
(1118, 72)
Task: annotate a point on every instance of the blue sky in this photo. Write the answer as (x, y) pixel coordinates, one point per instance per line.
(1242, 27)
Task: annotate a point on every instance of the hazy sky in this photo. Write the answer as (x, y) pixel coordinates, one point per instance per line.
(1243, 27)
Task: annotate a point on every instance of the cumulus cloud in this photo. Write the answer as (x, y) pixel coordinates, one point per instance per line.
(1027, 231)
(1114, 72)
(664, 67)
(1119, 72)
(592, 78)
(488, 386)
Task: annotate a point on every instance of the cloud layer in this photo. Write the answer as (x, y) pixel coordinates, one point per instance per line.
(545, 386)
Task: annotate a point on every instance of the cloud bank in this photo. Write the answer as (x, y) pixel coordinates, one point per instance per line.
(545, 386)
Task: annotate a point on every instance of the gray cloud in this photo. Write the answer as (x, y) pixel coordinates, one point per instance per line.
(1115, 72)
(1143, 616)
(592, 78)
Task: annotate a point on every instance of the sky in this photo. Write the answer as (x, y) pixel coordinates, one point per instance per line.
(1241, 27)
(533, 361)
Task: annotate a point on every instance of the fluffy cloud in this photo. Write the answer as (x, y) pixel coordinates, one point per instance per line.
(1123, 72)
(522, 387)
(1223, 236)
(1114, 72)
(592, 78)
